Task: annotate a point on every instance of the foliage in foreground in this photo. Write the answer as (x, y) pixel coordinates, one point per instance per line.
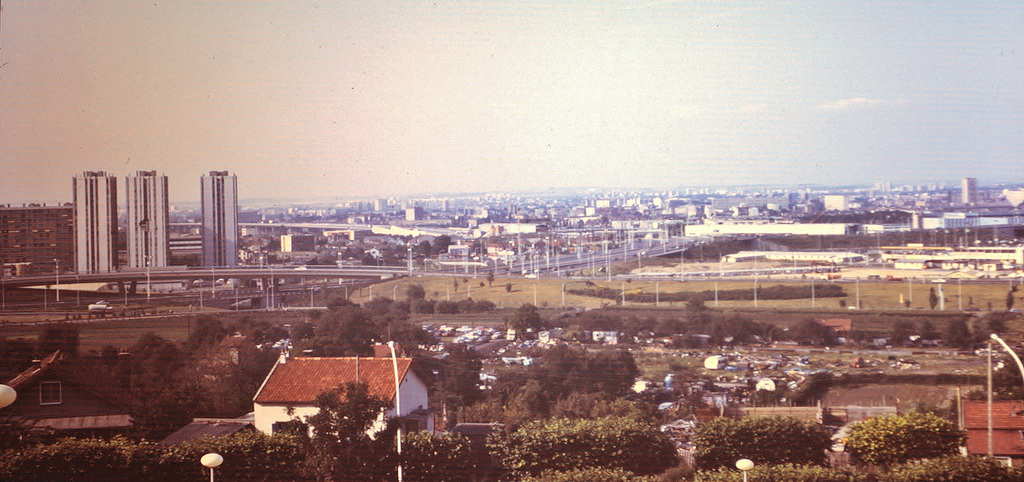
(954, 469)
(892, 440)
(247, 456)
(565, 445)
(590, 474)
(427, 457)
(776, 440)
(787, 472)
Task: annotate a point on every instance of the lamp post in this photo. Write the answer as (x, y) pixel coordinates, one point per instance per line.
(211, 461)
(149, 288)
(7, 395)
(56, 272)
(744, 465)
(398, 407)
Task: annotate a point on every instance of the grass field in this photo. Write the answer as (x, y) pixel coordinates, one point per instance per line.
(548, 293)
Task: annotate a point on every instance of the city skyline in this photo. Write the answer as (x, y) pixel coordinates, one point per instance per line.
(308, 101)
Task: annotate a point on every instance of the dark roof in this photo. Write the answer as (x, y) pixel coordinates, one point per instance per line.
(208, 427)
(33, 372)
(300, 379)
(471, 429)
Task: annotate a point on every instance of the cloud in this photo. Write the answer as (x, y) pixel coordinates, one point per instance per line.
(847, 104)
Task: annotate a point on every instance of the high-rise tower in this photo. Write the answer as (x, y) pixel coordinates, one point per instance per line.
(969, 190)
(147, 219)
(220, 219)
(95, 201)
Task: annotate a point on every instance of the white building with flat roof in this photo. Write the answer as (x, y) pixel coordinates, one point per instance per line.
(718, 228)
(220, 219)
(148, 236)
(95, 201)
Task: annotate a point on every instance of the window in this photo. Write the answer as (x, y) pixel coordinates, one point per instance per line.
(49, 393)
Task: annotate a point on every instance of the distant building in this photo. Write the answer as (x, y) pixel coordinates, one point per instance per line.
(836, 202)
(147, 220)
(414, 213)
(95, 201)
(969, 190)
(220, 219)
(298, 242)
(762, 227)
(33, 236)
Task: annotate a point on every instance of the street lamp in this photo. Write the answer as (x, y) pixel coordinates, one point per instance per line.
(398, 407)
(56, 272)
(7, 395)
(744, 465)
(211, 461)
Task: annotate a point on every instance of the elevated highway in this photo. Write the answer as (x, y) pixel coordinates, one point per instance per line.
(210, 274)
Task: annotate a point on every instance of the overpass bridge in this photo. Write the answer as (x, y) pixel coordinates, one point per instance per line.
(205, 273)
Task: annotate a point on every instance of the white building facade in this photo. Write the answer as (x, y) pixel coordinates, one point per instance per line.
(148, 208)
(220, 219)
(95, 201)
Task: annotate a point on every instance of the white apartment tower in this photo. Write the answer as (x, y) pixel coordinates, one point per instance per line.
(220, 219)
(95, 201)
(147, 219)
(969, 190)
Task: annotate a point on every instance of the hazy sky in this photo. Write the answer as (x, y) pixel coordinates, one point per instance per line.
(330, 98)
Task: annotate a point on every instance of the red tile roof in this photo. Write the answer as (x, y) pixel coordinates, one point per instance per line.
(300, 379)
(1005, 415)
(1004, 442)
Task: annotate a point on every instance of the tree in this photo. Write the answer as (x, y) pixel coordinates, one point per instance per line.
(933, 299)
(341, 448)
(58, 336)
(458, 378)
(927, 330)
(901, 331)
(441, 243)
(563, 444)
(953, 468)
(527, 316)
(720, 442)
(415, 292)
(206, 331)
(810, 331)
(346, 331)
(892, 440)
(958, 334)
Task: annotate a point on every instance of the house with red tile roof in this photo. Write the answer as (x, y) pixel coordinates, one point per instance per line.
(1007, 429)
(289, 392)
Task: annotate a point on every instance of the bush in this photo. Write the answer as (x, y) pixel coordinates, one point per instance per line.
(247, 456)
(590, 474)
(436, 457)
(562, 445)
(82, 459)
(765, 440)
(887, 441)
(953, 469)
(786, 472)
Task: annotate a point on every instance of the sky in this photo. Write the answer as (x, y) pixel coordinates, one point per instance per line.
(341, 99)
